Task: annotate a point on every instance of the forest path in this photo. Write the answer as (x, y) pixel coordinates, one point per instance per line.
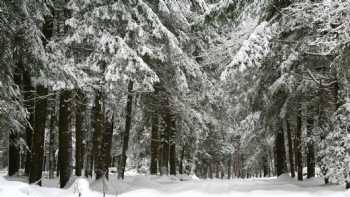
(155, 186)
(283, 186)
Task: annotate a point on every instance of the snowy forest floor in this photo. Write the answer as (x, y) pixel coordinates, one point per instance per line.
(155, 186)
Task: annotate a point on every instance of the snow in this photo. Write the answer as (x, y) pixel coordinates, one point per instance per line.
(181, 186)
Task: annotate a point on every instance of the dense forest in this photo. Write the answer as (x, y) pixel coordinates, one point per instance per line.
(208, 88)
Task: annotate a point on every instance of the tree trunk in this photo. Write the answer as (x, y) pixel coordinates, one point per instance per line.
(229, 164)
(80, 131)
(280, 152)
(98, 136)
(90, 145)
(14, 149)
(154, 143)
(38, 137)
(205, 171)
(165, 152)
(107, 144)
(210, 170)
(65, 137)
(52, 141)
(310, 149)
(170, 121)
(222, 172)
(266, 167)
(127, 131)
(290, 148)
(14, 155)
(181, 171)
(347, 185)
(298, 148)
(29, 104)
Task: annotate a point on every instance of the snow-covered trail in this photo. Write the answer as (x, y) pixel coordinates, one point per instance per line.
(153, 186)
(242, 188)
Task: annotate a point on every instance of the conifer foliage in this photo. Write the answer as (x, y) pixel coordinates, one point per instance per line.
(212, 88)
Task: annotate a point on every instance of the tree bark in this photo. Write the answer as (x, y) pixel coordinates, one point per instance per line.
(52, 141)
(14, 154)
(90, 145)
(107, 144)
(210, 170)
(65, 137)
(347, 185)
(280, 152)
(14, 149)
(38, 137)
(29, 104)
(310, 149)
(164, 169)
(154, 143)
(290, 148)
(181, 170)
(222, 172)
(229, 164)
(298, 148)
(217, 171)
(126, 131)
(266, 168)
(98, 156)
(80, 131)
(170, 121)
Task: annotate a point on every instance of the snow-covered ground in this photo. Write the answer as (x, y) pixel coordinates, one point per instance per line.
(154, 186)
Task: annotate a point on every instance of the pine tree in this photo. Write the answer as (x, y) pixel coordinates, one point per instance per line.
(65, 149)
(37, 152)
(126, 133)
(80, 131)
(98, 156)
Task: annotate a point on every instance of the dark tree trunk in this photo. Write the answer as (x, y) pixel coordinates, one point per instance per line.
(14, 149)
(280, 152)
(38, 137)
(181, 160)
(98, 136)
(236, 163)
(205, 171)
(266, 167)
(165, 153)
(154, 143)
(127, 131)
(310, 150)
(14, 154)
(91, 144)
(52, 140)
(65, 137)
(290, 148)
(58, 164)
(80, 131)
(107, 144)
(229, 164)
(222, 172)
(29, 104)
(210, 170)
(347, 185)
(170, 121)
(89, 163)
(326, 181)
(298, 148)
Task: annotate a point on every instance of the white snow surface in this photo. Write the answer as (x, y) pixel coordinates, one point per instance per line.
(156, 186)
